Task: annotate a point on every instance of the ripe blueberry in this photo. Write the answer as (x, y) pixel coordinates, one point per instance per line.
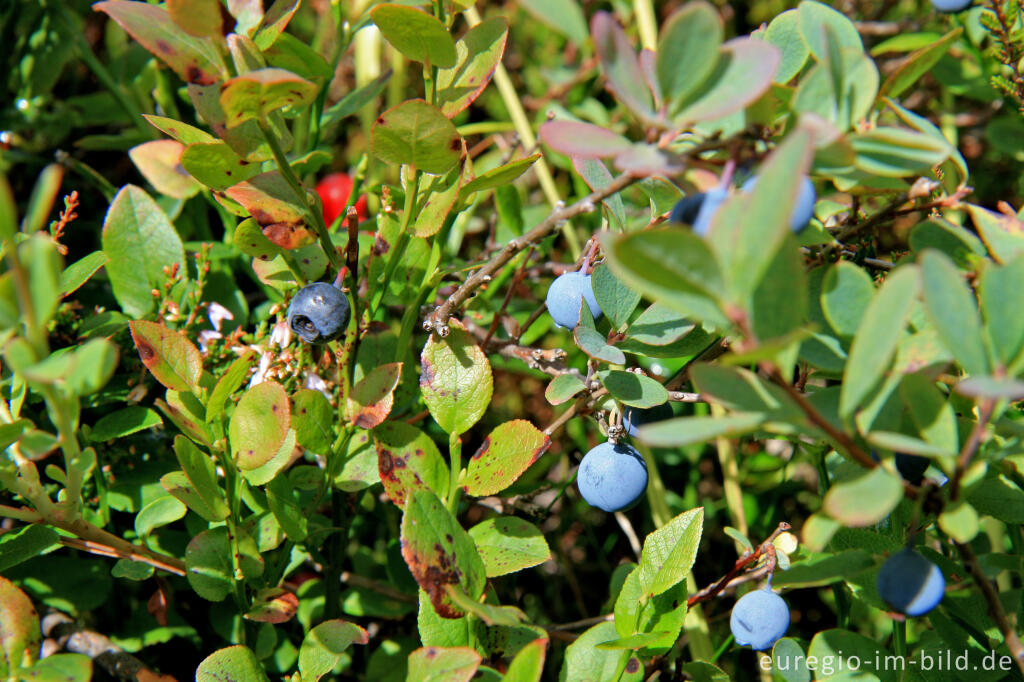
(759, 619)
(565, 296)
(911, 467)
(612, 477)
(686, 209)
(950, 6)
(319, 313)
(910, 583)
(803, 210)
(635, 417)
(712, 200)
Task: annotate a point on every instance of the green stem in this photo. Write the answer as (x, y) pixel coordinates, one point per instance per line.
(316, 218)
(411, 186)
(69, 445)
(646, 24)
(332, 569)
(455, 455)
(899, 638)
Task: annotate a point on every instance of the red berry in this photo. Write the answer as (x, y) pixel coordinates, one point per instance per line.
(334, 190)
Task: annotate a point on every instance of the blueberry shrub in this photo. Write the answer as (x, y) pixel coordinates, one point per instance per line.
(546, 340)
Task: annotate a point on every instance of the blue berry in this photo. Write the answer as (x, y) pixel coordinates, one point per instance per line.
(911, 584)
(803, 210)
(319, 313)
(712, 200)
(911, 467)
(565, 296)
(686, 209)
(759, 619)
(951, 6)
(635, 417)
(612, 477)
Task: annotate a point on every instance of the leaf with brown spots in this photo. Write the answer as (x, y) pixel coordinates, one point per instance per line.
(259, 425)
(273, 605)
(440, 193)
(216, 165)
(195, 60)
(288, 236)
(268, 199)
(479, 53)
(455, 379)
(171, 358)
(439, 552)
(408, 460)
(200, 18)
(452, 664)
(490, 614)
(251, 241)
(256, 94)
(313, 420)
(246, 139)
(19, 626)
(323, 646)
(371, 399)
(507, 544)
(159, 161)
(418, 134)
(507, 452)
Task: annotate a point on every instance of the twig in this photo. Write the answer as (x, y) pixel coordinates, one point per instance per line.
(169, 564)
(548, 360)
(627, 528)
(579, 624)
(995, 607)
(64, 633)
(438, 320)
(971, 446)
(766, 547)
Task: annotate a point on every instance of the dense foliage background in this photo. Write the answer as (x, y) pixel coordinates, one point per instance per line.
(186, 482)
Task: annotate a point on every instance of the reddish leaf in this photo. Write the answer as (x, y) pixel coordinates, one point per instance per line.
(200, 18)
(583, 140)
(172, 359)
(256, 94)
(159, 161)
(269, 200)
(454, 664)
(273, 605)
(288, 236)
(407, 460)
(479, 53)
(505, 454)
(371, 398)
(620, 65)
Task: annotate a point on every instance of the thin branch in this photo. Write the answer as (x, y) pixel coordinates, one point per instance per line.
(66, 634)
(380, 588)
(766, 547)
(995, 607)
(169, 564)
(971, 446)
(438, 320)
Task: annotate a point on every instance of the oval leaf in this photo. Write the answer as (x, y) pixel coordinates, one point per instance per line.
(259, 425)
(456, 380)
(172, 359)
(419, 36)
(418, 134)
(505, 454)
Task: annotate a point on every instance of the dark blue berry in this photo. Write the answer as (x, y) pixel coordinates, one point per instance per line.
(911, 584)
(319, 313)
(686, 209)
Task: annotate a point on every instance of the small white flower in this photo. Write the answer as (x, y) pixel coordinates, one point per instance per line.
(206, 337)
(281, 334)
(261, 372)
(315, 382)
(218, 314)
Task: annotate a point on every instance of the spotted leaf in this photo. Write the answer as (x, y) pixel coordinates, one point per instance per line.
(505, 454)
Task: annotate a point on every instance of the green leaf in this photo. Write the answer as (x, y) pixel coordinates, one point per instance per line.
(232, 664)
(509, 450)
(598, 177)
(216, 165)
(251, 241)
(931, 412)
(878, 334)
(620, 65)
(269, 200)
(417, 134)
(1003, 235)
(489, 614)
(170, 357)
(594, 344)
(273, 23)
(616, 300)
(139, 241)
(418, 35)
(160, 162)
(209, 567)
(179, 487)
(917, 64)
(60, 668)
(849, 650)
(815, 18)
(896, 152)
(507, 544)
(131, 570)
(528, 664)
(497, 177)
(740, 390)
(226, 386)
(246, 139)
(371, 398)
(778, 305)
(584, 661)
(435, 664)
(669, 552)
(259, 425)
(160, 512)
(824, 569)
(478, 54)
(19, 627)
(254, 95)
(200, 18)
(438, 196)
(455, 379)
(408, 460)
(953, 311)
(182, 132)
(689, 430)
(671, 266)
(1001, 289)
(745, 70)
(292, 54)
(266, 472)
(354, 101)
(864, 500)
(79, 272)
(564, 16)
(691, 36)
(195, 60)
(789, 662)
(313, 420)
(999, 498)
(202, 476)
(633, 389)
(997, 388)
(439, 552)
(22, 544)
(959, 521)
(563, 387)
(323, 646)
(659, 325)
(638, 613)
(846, 293)
(784, 33)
